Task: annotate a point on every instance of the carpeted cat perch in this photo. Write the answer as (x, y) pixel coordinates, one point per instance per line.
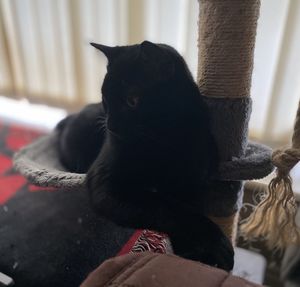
(227, 30)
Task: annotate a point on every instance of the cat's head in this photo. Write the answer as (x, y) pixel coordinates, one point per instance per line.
(149, 87)
(139, 82)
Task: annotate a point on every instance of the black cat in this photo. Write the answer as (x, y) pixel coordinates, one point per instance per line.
(158, 155)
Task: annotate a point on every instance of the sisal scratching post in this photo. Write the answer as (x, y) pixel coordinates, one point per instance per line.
(227, 30)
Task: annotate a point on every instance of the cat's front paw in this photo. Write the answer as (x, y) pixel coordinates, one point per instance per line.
(219, 253)
(206, 244)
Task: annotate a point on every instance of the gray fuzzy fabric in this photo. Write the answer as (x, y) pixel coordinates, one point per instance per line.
(254, 164)
(240, 159)
(229, 124)
(40, 164)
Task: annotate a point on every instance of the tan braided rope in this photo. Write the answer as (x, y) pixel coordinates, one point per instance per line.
(227, 30)
(274, 217)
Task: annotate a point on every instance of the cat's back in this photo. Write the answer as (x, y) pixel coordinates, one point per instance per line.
(81, 136)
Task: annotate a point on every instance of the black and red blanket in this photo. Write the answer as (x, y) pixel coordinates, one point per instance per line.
(52, 237)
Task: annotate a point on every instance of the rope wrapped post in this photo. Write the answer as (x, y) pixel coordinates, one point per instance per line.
(227, 30)
(274, 218)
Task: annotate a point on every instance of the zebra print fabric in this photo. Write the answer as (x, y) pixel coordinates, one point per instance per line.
(152, 241)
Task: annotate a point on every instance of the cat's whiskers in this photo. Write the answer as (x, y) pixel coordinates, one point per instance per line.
(102, 126)
(101, 123)
(114, 133)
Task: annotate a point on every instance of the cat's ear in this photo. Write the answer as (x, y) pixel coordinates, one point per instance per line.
(150, 49)
(158, 59)
(109, 52)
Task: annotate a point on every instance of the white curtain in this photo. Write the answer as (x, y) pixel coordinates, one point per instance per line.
(276, 76)
(45, 55)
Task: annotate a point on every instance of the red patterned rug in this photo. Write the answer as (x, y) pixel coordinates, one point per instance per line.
(12, 138)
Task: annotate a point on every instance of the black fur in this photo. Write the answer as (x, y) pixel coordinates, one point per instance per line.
(81, 137)
(158, 154)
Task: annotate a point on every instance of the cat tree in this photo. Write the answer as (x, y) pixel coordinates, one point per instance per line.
(226, 40)
(227, 30)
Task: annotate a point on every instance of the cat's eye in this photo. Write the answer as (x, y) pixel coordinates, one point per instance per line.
(132, 101)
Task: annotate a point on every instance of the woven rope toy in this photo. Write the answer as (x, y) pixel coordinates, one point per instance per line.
(227, 30)
(274, 217)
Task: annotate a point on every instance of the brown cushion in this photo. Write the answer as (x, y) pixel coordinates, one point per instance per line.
(152, 270)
